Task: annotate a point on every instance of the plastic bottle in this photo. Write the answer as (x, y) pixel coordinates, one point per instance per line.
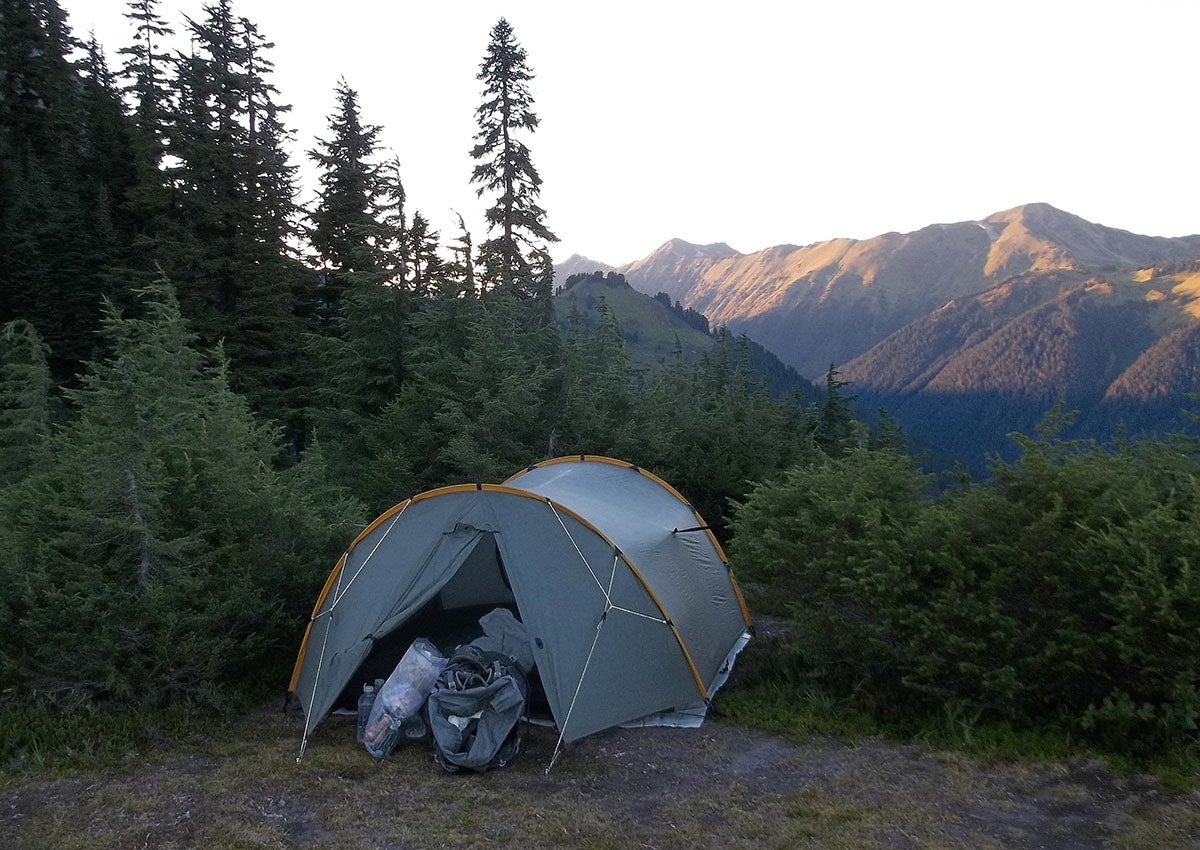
(366, 701)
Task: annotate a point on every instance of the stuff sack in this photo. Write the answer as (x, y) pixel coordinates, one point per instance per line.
(402, 696)
(477, 711)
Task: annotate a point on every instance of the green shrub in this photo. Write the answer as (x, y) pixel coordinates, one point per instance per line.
(155, 556)
(1063, 591)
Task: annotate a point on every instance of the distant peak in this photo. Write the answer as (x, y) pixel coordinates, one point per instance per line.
(683, 248)
(1035, 212)
(581, 260)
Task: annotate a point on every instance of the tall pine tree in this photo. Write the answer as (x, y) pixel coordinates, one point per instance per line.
(154, 554)
(25, 394)
(147, 85)
(228, 245)
(345, 230)
(62, 148)
(504, 167)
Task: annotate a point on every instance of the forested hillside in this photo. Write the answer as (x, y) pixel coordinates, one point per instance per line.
(657, 332)
(205, 388)
(1118, 347)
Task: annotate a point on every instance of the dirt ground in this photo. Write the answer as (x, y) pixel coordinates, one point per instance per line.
(718, 786)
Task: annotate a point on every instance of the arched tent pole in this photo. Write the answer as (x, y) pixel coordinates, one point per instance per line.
(320, 661)
(578, 687)
(335, 575)
(618, 556)
(608, 606)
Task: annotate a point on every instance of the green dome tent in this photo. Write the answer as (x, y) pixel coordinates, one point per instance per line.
(627, 597)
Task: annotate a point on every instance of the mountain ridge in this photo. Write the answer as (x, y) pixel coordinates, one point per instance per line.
(995, 319)
(882, 283)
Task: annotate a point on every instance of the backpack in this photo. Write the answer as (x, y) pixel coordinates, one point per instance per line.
(478, 711)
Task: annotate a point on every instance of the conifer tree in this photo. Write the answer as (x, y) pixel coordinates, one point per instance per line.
(25, 387)
(227, 247)
(504, 167)
(61, 172)
(146, 64)
(596, 387)
(107, 162)
(38, 86)
(161, 557)
(835, 430)
(462, 267)
(375, 263)
(425, 266)
(145, 72)
(491, 420)
(345, 231)
(393, 219)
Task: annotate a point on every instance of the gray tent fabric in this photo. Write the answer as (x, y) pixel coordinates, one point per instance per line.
(627, 598)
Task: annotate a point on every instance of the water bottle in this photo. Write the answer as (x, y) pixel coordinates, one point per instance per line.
(366, 701)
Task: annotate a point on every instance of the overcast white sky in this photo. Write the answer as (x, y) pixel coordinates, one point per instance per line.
(762, 123)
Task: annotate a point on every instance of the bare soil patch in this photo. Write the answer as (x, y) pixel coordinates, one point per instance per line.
(663, 788)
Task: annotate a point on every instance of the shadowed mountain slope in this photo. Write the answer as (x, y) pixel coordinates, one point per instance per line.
(656, 331)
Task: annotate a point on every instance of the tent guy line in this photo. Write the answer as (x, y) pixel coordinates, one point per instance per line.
(558, 746)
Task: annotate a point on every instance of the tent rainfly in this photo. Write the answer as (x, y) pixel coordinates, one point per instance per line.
(627, 597)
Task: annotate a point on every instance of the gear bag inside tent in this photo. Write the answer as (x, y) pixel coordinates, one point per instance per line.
(631, 611)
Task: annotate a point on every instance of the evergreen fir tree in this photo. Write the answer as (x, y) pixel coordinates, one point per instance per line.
(228, 245)
(425, 264)
(62, 168)
(393, 219)
(596, 387)
(462, 267)
(146, 82)
(835, 430)
(492, 423)
(162, 558)
(146, 64)
(25, 388)
(504, 167)
(107, 164)
(38, 84)
(346, 231)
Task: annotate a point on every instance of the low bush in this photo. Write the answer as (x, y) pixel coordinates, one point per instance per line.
(1061, 593)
